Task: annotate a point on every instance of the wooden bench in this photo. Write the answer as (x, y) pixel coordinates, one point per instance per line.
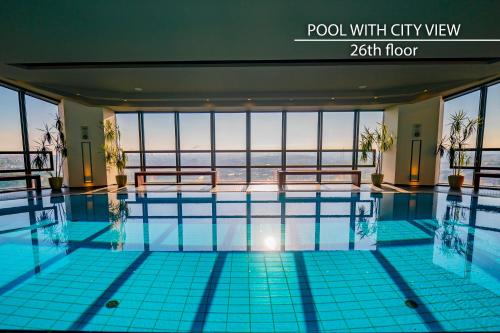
(140, 177)
(33, 178)
(356, 174)
(478, 175)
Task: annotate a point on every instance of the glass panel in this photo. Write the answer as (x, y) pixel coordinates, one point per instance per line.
(232, 174)
(195, 159)
(130, 174)
(133, 160)
(231, 159)
(266, 130)
(159, 131)
(491, 138)
(368, 119)
(160, 159)
(10, 135)
(39, 114)
(469, 103)
(338, 130)
(302, 130)
(266, 159)
(10, 126)
(264, 175)
(194, 131)
(301, 158)
(129, 129)
(337, 158)
(230, 131)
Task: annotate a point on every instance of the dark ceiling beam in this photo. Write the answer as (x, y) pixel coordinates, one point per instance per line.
(252, 63)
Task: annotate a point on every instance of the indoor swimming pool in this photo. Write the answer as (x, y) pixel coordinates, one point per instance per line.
(260, 261)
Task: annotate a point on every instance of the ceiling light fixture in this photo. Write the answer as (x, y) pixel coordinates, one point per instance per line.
(207, 100)
(425, 90)
(138, 89)
(249, 99)
(125, 100)
(363, 87)
(77, 94)
(375, 97)
(333, 98)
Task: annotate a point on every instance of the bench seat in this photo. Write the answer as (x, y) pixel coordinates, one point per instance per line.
(140, 177)
(356, 174)
(33, 178)
(480, 174)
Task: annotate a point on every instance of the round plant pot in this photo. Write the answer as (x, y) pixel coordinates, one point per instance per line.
(121, 180)
(456, 182)
(377, 179)
(55, 183)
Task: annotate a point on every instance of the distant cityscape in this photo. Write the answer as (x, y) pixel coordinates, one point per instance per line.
(268, 162)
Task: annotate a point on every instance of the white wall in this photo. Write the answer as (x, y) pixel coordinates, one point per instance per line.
(75, 116)
(397, 162)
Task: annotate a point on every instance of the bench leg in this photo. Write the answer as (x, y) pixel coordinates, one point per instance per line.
(38, 185)
(214, 180)
(281, 181)
(476, 182)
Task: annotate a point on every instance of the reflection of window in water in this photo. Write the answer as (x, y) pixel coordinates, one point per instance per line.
(118, 214)
(449, 233)
(53, 225)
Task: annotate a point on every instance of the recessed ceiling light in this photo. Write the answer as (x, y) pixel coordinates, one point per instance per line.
(249, 99)
(425, 90)
(138, 89)
(363, 87)
(375, 97)
(333, 98)
(77, 94)
(125, 100)
(207, 100)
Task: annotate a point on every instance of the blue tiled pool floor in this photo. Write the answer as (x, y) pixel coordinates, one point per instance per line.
(334, 282)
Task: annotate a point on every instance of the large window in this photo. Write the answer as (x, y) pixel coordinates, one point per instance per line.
(491, 139)
(266, 145)
(468, 103)
(230, 146)
(10, 135)
(39, 113)
(368, 120)
(246, 146)
(483, 151)
(15, 143)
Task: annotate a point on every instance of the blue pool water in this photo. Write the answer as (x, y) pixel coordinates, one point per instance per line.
(260, 261)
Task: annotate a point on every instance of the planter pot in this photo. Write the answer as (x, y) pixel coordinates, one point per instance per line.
(121, 180)
(55, 183)
(456, 182)
(377, 179)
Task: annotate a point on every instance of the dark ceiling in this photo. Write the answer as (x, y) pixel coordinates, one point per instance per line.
(181, 53)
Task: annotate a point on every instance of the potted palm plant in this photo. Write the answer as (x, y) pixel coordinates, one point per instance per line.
(462, 127)
(53, 139)
(114, 154)
(383, 141)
